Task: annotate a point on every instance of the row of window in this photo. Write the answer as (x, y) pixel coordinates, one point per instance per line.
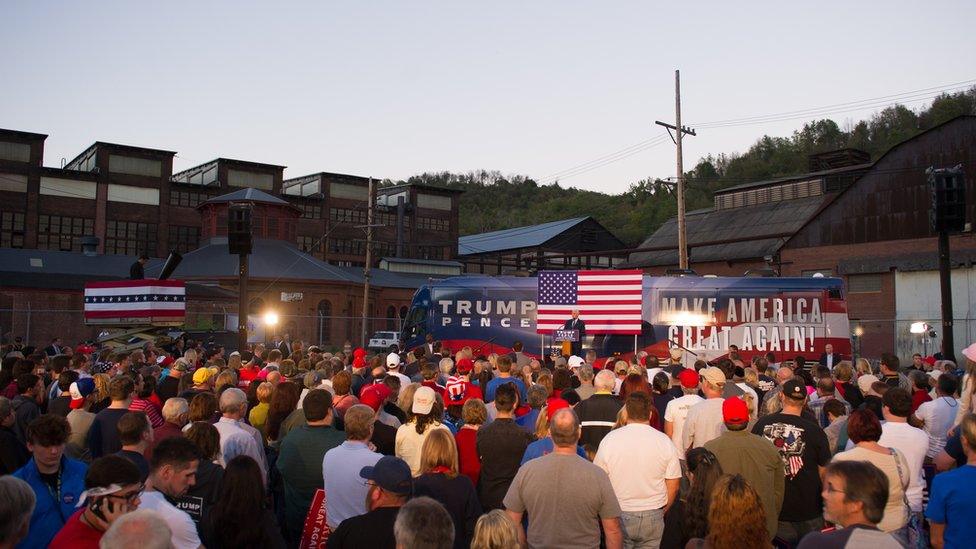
(434, 224)
(187, 199)
(347, 215)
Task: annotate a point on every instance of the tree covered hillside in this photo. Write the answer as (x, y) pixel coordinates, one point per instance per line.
(493, 200)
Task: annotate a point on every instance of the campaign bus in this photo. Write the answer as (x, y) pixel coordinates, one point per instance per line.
(789, 317)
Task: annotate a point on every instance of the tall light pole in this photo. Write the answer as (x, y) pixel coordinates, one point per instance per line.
(679, 130)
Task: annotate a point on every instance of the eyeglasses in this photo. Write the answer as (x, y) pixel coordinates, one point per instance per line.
(831, 490)
(130, 497)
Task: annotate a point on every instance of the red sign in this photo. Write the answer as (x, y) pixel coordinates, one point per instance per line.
(316, 531)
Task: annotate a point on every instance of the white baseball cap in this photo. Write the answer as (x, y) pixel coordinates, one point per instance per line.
(392, 360)
(575, 361)
(423, 400)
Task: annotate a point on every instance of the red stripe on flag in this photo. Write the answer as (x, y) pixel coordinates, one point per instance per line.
(628, 293)
(632, 272)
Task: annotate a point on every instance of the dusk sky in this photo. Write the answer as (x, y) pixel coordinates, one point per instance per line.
(393, 89)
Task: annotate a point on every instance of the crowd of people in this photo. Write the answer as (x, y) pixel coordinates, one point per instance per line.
(287, 445)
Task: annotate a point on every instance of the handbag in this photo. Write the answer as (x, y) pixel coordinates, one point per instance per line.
(914, 527)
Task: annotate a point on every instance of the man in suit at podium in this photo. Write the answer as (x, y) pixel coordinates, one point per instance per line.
(576, 323)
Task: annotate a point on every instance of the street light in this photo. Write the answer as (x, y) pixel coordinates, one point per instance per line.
(271, 318)
(918, 328)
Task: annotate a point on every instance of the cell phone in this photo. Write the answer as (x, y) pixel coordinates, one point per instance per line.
(95, 507)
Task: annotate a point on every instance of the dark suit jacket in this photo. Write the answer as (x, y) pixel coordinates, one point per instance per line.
(823, 359)
(136, 271)
(580, 325)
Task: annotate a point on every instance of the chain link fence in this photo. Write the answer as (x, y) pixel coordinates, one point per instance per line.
(39, 327)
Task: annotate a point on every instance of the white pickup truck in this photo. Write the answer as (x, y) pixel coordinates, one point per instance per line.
(382, 341)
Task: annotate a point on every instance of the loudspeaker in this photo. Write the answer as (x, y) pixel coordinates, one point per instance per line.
(239, 229)
(948, 195)
(172, 262)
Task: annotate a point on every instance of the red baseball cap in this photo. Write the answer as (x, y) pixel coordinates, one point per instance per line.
(84, 349)
(359, 362)
(359, 352)
(554, 405)
(374, 395)
(688, 378)
(735, 411)
(465, 365)
(165, 361)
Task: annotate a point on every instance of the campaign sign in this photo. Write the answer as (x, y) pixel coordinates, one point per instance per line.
(565, 335)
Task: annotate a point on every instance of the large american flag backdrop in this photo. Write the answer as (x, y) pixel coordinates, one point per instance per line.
(609, 302)
(161, 302)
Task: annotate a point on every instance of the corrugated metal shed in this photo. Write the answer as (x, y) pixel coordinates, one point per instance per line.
(515, 238)
(759, 223)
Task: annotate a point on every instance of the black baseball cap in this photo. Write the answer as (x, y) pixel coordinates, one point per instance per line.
(391, 474)
(795, 389)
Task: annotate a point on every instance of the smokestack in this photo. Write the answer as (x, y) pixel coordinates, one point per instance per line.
(172, 262)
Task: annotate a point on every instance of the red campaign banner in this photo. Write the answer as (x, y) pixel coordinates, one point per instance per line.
(316, 531)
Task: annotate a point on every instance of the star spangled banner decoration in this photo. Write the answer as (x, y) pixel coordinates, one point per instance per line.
(135, 301)
(609, 301)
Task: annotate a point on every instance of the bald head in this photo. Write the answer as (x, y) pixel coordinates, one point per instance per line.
(783, 375)
(605, 381)
(564, 428)
(142, 528)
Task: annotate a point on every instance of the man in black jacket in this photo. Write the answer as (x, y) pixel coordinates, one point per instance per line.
(136, 271)
(598, 413)
(576, 323)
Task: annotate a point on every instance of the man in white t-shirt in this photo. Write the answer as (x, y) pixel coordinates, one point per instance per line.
(677, 409)
(643, 467)
(174, 467)
(913, 442)
(393, 369)
(704, 421)
(937, 415)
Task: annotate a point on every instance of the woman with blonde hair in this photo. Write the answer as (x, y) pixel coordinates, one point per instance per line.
(258, 416)
(234, 362)
(862, 367)
(101, 400)
(405, 399)
(440, 480)
(495, 530)
(427, 412)
(736, 517)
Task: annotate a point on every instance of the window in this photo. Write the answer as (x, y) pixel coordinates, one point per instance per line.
(187, 199)
(58, 232)
(324, 322)
(133, 195)
(433, 201)
(311, 211)
(183, 239)
(384, 249)
(309, 245)
(432, 224)
(390, 219)
(134, 166)
(18, 152)
(130, 238)
(863, 283)
(347, 246)
(351, 192)
(238, 178)
(346, 215)
(11, 230)
(430, 252)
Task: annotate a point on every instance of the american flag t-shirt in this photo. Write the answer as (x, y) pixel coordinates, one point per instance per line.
(609, 302)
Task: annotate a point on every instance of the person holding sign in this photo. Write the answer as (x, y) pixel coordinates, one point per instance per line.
(576, 323)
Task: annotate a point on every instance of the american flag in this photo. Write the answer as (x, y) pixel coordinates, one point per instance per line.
(161, 302)
(609, 302)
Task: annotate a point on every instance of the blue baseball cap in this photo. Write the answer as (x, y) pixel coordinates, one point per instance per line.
(391, 474)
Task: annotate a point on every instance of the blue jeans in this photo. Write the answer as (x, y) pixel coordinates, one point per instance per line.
(643, 529)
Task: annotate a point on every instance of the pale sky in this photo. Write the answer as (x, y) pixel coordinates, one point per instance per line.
(392, 89)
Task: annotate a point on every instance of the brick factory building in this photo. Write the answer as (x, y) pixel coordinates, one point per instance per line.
(123, 201)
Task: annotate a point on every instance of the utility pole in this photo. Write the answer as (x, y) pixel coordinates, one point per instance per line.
(676, 137)
(369, 257)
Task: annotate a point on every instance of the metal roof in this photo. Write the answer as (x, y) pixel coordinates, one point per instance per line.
(248, 195)
(516, 238)
(56, 270)
(269, 259)
(800, 177)
(757, 222)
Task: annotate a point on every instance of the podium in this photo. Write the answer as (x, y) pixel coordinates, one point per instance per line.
(566, 339)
